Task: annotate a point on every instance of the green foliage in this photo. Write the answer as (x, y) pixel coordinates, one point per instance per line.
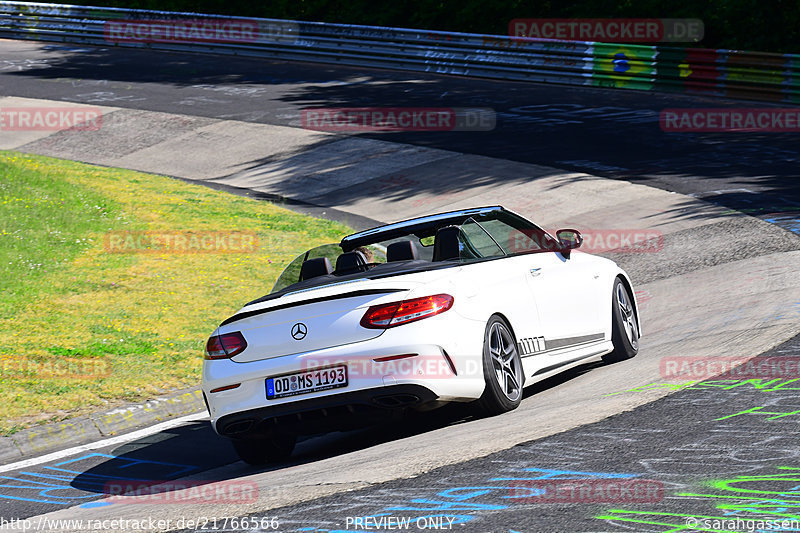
(82, 326)
(44, 224)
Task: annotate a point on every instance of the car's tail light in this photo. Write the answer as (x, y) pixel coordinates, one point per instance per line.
(225, 345)
(398, 313)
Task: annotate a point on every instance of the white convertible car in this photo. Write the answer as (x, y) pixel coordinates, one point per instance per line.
(465, 306)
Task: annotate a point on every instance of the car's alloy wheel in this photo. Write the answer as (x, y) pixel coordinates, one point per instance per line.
(624, 327)
(502, 368)
(628, 318)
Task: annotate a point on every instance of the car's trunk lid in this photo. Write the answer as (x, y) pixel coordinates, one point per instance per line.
(311, 320)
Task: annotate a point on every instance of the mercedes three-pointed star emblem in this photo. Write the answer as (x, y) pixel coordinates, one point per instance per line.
(299, 331)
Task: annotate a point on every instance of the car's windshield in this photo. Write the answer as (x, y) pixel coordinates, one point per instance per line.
(475, 238)
(492, 236)
(504, 233)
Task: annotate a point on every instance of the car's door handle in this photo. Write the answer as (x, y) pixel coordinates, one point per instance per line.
(535, 271)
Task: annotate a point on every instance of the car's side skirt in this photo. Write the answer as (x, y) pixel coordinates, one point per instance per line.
(556, 366)
(561, 366)
(531, 346)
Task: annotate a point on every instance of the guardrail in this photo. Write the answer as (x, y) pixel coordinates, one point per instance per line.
(729, 73)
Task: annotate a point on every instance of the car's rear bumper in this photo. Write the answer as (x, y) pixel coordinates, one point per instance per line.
(329, 413)
(408, 355)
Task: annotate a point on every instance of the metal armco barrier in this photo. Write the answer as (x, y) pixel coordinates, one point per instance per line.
(736, 74)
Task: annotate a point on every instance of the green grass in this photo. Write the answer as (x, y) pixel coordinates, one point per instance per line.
(145, 316)
(44, 224)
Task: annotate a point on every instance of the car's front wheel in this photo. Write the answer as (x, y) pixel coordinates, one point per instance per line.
(264, 450)
(502, 369)
(624, 327)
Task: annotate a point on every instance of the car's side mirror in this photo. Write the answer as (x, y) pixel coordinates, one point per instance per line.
(568, 239)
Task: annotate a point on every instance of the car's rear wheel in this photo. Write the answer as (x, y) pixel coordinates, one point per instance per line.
(502, 369)
(264, 450)
(624, 327)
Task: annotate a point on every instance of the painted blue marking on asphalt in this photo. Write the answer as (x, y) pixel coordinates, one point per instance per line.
(84, 457)
(40, 487)
(456, 497)
(184, 468)
(439, 505)
(474, 491)
(790, 223)
(90, 505)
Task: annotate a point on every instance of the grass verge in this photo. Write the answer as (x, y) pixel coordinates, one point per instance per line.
(82, 327)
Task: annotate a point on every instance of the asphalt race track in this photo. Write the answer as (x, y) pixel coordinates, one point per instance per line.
(611, 133)
(667, 447)
(725, 283)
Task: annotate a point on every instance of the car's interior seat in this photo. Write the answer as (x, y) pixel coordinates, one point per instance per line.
(401, 251)
(312, 268)
(351, 262)
(445, 244)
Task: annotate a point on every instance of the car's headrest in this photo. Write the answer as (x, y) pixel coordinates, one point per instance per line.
(401, 251)
(350, 262)
(445, 244)
(319, 266)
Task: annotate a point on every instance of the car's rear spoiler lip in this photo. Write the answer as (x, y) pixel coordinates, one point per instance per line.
(351, 294)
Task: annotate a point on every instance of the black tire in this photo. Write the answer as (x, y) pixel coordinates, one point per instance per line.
(264, 450)
(502, 370)
(624, 328)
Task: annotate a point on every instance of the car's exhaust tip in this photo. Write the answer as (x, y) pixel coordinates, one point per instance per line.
(396, 400)
(237, 428)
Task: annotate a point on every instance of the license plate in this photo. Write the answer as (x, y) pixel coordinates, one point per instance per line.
(305, 382)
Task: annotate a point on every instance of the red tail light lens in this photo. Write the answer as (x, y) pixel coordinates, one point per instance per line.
(398, 313)
(225, 346)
